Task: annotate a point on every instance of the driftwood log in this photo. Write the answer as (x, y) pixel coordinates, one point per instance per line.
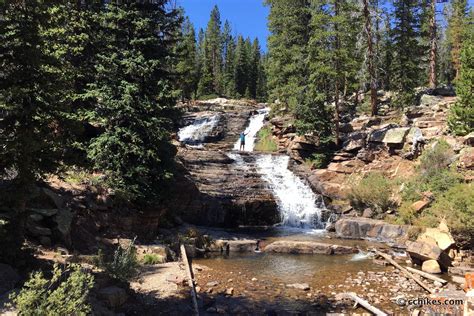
(404, 271)
(189, 272)
(362, 303)
(427, 275)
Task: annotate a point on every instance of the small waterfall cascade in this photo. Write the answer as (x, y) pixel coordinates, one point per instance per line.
(299, 206)
(255, 124)
(196, 133)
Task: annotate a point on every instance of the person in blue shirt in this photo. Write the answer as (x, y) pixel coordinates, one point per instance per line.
(242, 141)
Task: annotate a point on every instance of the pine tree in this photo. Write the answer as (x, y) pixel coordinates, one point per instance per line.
(135, 105)
(229, 59)
(407, 50)
(254, 68)
(456, 26)
(371, 62)
(461, 117)
(186, 70)
(32, 110)
(313, 114)
(241, 67)
(213, 51)
(287, 71)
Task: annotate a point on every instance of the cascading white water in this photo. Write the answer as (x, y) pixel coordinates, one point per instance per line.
(197, 132)
(255, 124)
(298, 205)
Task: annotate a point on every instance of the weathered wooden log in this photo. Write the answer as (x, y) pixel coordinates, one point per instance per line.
(427, 275)
(363, 303)
(404, 271)
(190, 279)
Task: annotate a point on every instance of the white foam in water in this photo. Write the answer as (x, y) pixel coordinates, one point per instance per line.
(361, 255)
(297, 203)
(197, 132)
(255, 124)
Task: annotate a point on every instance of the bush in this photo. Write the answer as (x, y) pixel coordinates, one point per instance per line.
(64, 294)
(151, 258)
(265, 141)
(438, 183)
(436, 158)
(319, 160)
(374, 191)
(123, 266)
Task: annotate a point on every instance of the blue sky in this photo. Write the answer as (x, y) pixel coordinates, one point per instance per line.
(247, 17)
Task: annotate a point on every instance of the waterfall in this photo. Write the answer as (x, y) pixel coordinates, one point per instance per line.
(197, 132)
(298, 204)
(255, 124)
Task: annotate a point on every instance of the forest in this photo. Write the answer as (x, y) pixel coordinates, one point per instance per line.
(97, 92)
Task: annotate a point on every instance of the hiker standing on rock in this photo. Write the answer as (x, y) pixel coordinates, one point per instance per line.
(242, 141)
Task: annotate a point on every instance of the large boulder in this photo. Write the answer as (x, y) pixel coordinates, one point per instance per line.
(366, 228)
(466, 158)
(421, 251)
(378, 135)
(355, 141)
(437, 237)
(8, 278)
(429, 100)
(396, 136)
(308, 247)
(241, 245)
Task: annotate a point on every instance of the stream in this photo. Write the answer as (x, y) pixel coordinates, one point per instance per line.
(264, 280)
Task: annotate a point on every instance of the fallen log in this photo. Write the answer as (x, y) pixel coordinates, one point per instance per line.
(427, 275)
(404, 271)
(363, 303)
(190, 279)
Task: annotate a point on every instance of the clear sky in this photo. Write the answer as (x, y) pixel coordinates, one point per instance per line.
(247, 17)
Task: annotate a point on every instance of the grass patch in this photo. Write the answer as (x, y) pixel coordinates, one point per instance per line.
(265, 140)
(151, 258)
(374, 191)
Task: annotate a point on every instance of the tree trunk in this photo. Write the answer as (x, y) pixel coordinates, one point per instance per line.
(336, 85)
(433, 47)
(370, 59)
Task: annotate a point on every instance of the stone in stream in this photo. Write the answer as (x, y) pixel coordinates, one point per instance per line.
(299, 286)
(308, 247)
(431, 266)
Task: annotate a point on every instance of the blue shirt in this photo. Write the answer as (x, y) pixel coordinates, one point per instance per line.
(242, 137)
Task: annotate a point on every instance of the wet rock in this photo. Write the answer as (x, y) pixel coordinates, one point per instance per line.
(113, 296)
(307, 247)
(366, 228)
(431, 266)
(299, 286)
(8, 278)
(242, 245)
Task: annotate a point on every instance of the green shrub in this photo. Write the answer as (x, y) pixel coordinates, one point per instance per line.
(64, 294)
(438, 183)
(123, 265)
(265, 141)
(436, 158)
(374, 191)
(151, 258)
(319, 160)
(406, 213)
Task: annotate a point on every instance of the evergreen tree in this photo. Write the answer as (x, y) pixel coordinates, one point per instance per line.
(213, 51)
(407, 50)
(241, 67)
(287, 71)
(254, 68)
(461, 118)
(186, 70)
(32, 110)
(456, 26)
(135, 105)
(229, 59)
(386, 56)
